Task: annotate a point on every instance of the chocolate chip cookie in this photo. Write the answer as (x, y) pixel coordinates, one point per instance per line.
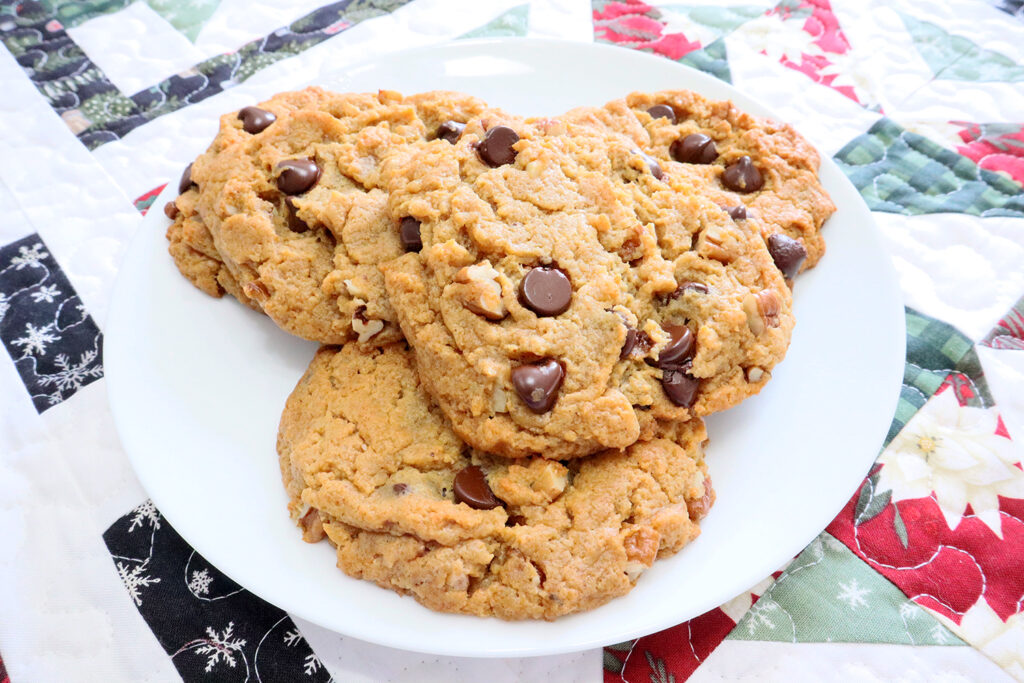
(289, 192)
(749, 165)
(569, 294)
(412, 508)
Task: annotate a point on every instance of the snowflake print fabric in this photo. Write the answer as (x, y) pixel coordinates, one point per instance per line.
(209, 626)
(52, 340)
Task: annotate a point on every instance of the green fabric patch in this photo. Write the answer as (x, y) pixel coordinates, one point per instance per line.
(515, 22)
(828, 594)
(956, 58)
(934, 350)
(902, 172)
(187, 17)
(711, 59)
(721, 19)
(938, 347)
(74, 12)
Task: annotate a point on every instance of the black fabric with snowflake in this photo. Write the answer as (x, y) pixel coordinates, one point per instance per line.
(53, 341)
(212, 628)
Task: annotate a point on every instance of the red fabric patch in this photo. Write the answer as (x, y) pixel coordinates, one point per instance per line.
(944, 569)
(997, 147)
(638, 25)
(143, 202)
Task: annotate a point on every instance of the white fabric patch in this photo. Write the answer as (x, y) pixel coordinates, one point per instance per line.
(135, 48)
(355, 661)
(750, 661)
(961, 269)
(824, 116)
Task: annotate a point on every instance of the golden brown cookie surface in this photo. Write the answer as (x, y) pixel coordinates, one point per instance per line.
(396, 492)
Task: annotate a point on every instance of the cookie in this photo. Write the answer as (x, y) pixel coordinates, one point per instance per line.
(288, 191)
(750, 165)
(413, 509)
(570, 295)
(191, 246)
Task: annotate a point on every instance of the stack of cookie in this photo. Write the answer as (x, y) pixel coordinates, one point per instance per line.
(524, 321)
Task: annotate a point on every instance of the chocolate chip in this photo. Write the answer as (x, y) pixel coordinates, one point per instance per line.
(742, 176)
(630, 343)
(652, 164)
(695, 148)
(680, 348)
(679, 385)
(515, 520)
(698, 287)
(295, 224)
(471, 488)
(400, 489)
(662, 111)
(546, 291)
(787, 253)
(496, 147)
(737, 213)
(409, 234)
(171, 210)
(297, 175)
(450, 131)
(538, 383)
(186, 180)
(255, 120)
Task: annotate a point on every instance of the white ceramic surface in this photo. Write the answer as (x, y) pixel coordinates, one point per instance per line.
(196, 387)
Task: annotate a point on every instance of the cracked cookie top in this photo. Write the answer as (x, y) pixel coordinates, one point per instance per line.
(568, 293)
(411, 507)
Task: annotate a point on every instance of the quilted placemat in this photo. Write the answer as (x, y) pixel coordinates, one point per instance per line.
(921, 104)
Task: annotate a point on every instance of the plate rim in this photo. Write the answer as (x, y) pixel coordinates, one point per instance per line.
(695, 80)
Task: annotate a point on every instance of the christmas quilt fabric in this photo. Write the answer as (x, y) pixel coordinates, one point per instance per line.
(920, 577)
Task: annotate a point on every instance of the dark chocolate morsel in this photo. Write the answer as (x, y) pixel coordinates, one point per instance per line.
(496, 147)
(698, 287)
(662, 111)
(171, 210)
(295, 224)
(679, 385)
(652, 164)
(737, 213)
(409, 234)
(255, 120)
(186, 180)
(742, 176)
(680, 348)
(538, 383)
(695, 148)
(471, 488)
(630, 343)
(400, 489)
(450, 131)
(297, 175)
(546, 291)
(787, 253)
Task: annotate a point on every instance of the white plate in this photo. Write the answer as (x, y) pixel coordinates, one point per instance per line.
(196, 387)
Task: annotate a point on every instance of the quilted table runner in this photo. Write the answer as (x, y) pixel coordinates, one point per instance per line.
(921, 104)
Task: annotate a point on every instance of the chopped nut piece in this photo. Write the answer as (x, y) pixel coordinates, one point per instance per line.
(499, 401)
(768, 306)
(713, 243)
(256, 290)
(762, 310)
(355, 289)
(482, 295)
(312, 527)
(755, 375)
(365, 327)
